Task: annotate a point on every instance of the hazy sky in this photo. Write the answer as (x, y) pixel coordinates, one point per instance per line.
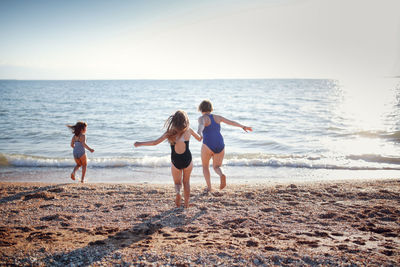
(177, 39)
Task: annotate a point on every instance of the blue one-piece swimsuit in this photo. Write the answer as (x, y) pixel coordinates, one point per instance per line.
(212, 137)
(79, 150)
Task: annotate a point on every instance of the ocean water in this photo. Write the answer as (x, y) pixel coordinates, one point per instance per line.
(304, 129)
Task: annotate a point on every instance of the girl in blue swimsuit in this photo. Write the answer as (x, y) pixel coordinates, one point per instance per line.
(178, 134)
(78, 143)
(213, 142)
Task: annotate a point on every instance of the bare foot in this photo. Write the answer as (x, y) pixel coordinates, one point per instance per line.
(223, 182)
(82, 181)
(178, 200)
(73, 176)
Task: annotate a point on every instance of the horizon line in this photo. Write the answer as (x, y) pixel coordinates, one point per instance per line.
(169, 79)
(188, 79)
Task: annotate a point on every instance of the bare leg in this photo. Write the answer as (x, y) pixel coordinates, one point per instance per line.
(206, 155)
(74, 171)
(83, 173)
(84, 165)
(177, 176)
(78, 165)
(186, 183)
(217, 163)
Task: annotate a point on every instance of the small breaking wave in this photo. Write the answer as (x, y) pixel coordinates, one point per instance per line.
(36, 161)
(391, 136)
(352, 162)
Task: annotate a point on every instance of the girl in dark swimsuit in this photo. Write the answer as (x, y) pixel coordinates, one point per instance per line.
(178, 134)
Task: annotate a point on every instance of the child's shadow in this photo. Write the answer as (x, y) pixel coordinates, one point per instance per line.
(97, 250)
(35, 193)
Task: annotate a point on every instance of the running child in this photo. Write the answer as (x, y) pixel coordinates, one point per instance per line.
(213, 142)
(78, 143)
(178, 134)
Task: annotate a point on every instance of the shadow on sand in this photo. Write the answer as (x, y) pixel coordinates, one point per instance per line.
(97, 250)
(40, 192)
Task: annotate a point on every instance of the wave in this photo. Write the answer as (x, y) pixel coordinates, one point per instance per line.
(391, 136)
(375, 158)
(15, 160)
(352, 162)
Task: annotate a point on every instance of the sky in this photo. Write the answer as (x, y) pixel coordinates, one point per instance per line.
(208, 39)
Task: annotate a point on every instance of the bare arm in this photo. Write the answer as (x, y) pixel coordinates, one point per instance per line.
(195, 135)
(72, 142)
(83, 142)
(201, 126)
(234, 123)
(153, 142)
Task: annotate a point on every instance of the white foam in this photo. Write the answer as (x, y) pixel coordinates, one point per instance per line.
(363, 162)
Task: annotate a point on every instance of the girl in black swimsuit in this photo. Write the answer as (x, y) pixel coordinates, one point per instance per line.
(178, 134)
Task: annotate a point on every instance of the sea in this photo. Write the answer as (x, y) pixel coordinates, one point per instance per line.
(304, 130)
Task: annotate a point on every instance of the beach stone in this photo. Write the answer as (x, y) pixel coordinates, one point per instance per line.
(252, 243)
(148, 228)
(276, 259)
(7, 243)
(119, 207)
(388, 252)
(309, 261)
(143, 215)
(41, 227)
(257, 262)
(35, 236)
(249, 195)
(56, 217)
(24, 229)
(41, 195)
(240, 235)
(328, 215)
(57, 190)
(268, 210)
(117, 256)
(97, 243)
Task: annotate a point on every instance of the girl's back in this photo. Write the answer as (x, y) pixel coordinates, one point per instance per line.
(79, 150)
(180, 145)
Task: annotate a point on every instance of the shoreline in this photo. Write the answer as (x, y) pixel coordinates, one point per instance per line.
(296, 223)
(235, 175)
(214, 180)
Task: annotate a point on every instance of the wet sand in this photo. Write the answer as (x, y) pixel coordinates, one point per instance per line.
(328, 224)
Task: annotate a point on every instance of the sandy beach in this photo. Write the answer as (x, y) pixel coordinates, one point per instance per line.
(353, 223)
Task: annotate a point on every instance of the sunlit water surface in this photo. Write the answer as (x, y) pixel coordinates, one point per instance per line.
(304, 130)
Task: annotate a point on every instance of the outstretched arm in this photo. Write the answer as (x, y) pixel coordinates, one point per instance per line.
(197, 136)
(201, 126)
(83, 141)
(153, 142)
(234, 123)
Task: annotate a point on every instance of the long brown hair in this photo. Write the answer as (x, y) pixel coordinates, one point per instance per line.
(176, 125)
(77, 128)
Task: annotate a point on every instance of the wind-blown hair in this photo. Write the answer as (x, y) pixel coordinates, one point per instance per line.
(77, 128)
(176, 125)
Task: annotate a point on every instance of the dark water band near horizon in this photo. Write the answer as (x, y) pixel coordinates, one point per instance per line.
(304, 129)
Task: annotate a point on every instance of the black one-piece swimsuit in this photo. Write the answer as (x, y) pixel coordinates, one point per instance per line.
(181, 161)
